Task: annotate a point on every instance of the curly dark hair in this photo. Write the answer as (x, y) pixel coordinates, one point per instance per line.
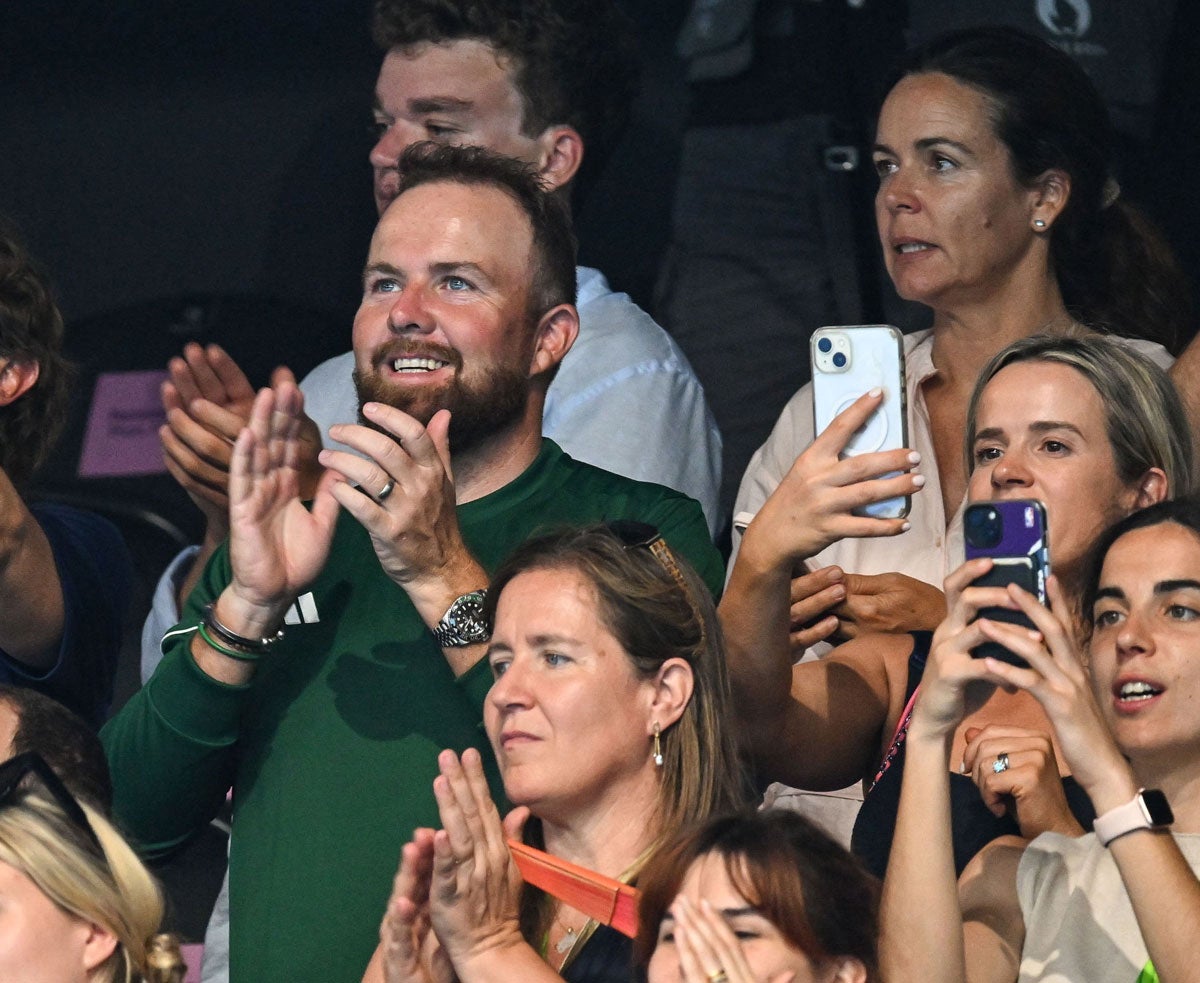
(31, 328)
(574, 61)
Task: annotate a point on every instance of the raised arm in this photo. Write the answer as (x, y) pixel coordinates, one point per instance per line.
(172, 748)
(811, 508)
(277, 545)
(923, 924)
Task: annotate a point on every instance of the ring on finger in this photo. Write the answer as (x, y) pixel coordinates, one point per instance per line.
(718, 975)
(1001, 763)
(385, 491)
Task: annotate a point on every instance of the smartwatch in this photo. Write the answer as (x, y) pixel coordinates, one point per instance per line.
(463, 624)
(1147, 810)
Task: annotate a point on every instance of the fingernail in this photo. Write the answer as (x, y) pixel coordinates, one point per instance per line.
(907, 526)
(918, 480)
(838, 591)
(875, 392)
(914, 457)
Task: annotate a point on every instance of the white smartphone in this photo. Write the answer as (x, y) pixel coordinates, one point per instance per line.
(847, 361)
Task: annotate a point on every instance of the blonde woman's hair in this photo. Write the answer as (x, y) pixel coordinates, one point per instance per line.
(1144, 417)
(113, 890)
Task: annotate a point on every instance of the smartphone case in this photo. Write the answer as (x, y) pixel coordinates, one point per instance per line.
(1021, 557)
(873, 358)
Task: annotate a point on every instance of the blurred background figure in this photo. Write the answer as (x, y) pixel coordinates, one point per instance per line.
(64, 573)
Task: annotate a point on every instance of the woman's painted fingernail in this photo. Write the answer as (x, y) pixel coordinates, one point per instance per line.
(914, 457)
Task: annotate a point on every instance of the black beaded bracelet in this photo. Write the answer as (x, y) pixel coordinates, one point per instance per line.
(233, 638)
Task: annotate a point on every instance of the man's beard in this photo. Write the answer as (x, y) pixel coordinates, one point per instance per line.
(477, 412)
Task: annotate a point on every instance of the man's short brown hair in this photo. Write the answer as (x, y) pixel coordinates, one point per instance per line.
(574, 61)
(553, 275)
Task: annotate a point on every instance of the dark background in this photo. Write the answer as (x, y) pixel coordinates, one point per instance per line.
(155, 149)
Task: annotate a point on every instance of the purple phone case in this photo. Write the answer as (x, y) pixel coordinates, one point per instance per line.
(1024, 533)
(1024, 544)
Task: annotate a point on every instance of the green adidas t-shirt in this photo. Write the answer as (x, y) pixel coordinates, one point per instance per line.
(332, 747)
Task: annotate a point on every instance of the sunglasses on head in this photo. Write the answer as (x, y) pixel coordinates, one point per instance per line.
(641, 535)
(14, 771)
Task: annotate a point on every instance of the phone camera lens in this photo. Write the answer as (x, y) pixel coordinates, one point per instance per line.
(983, 527)
(824, 345)
(839, 360)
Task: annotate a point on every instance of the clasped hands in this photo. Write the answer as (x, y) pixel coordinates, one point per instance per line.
(454, 900)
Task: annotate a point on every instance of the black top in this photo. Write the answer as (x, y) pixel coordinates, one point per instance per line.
(606, 957)
(973, 824)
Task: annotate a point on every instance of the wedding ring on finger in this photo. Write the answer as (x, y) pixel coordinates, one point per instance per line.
(385, 491)
(1001, 763)
(718, 976)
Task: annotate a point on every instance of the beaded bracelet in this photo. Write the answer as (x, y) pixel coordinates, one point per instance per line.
(224, 649)
(230, 637)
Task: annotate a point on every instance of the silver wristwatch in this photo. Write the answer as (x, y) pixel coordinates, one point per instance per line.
(463, 624)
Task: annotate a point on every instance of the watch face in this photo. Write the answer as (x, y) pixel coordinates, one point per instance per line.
(1156, 807)
(464, 623)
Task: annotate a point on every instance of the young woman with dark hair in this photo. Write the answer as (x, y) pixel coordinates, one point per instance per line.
(756, 896)
(1120, 903)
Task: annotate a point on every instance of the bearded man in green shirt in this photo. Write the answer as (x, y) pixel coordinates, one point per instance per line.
(329, 732)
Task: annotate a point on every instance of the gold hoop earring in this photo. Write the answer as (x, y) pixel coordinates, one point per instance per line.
(657, 753)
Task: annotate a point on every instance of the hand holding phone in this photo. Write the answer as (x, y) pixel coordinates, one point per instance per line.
(1014, 535)
(848, 361)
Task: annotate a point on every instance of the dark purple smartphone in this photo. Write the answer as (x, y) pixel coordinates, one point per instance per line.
(1014, 535)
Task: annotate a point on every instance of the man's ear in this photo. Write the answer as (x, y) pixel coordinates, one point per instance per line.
(1051, 192)
(561, 155)
(17, 377)
(673, 686)
(556, 333)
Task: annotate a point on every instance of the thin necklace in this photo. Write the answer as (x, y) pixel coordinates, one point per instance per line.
(570, 937)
